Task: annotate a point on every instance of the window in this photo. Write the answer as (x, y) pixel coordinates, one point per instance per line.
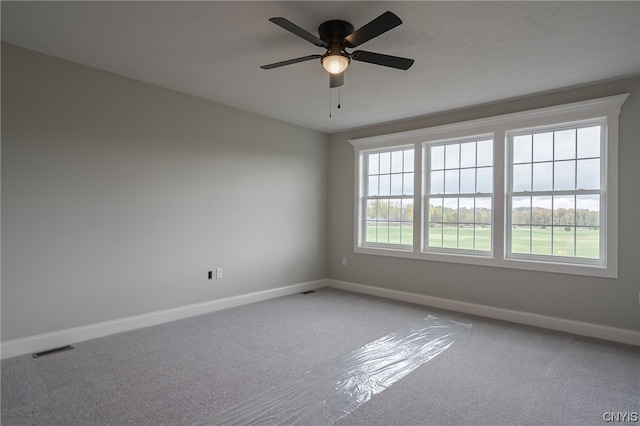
(531, 190)
(459, 196)
(389, 198)
(556, 192)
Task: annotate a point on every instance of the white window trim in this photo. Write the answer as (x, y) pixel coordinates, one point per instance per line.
(602, 122)
(426, 197)
(363, 198)
(607, 108)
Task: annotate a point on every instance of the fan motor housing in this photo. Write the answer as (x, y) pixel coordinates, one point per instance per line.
(334, 32)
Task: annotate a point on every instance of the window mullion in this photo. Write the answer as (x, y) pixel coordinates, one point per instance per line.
(361, 191)
(500, 169)
(556, 193)
(418, 192)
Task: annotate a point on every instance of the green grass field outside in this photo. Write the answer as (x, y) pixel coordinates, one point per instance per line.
(550, 240)
(395, 233)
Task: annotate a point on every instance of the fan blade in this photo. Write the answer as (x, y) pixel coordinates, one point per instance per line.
(380, 59)
(290, 61)
(293, 28)
(380, 25)
(336, 80)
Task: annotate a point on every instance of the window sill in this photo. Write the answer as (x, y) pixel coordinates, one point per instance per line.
(479, 260)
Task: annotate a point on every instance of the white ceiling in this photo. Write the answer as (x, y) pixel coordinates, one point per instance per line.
(466, 53)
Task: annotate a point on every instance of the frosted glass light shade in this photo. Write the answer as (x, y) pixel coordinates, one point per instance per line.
(335, 64)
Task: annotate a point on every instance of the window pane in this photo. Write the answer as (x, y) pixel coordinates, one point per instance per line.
(396, 161)
(396, 184)
(452, 181)
(522, 177)
(408, 160)
(541, 211)
(450, 235)
(521, 211)
(485, 153)
(395, 210)
(564, 176)
(522, 149)
(382, 232)
(588, 242)
(435, 210)
(437, 182)
(466, 211)
(437, 158)
(465, 237)
(563, 240)
(483, 237)
(450, 210)
(543, 176)
(543, 146)
(588, 210)
(483, 210)
(435, 235)
(385, 162)
(373, 163)
(468, 181)
(588, 174)
(468, 154)
(372, 188)
(541, 240)
(452, 156)
(407, 210)
(385, 185)
(408, 184)
(485, 180)
(372, 232)
(406, 233)
(395, 234)
(372, 209)
(564, 210)
(383, 210)
(520, 239)
(589, 142)
(565, 144)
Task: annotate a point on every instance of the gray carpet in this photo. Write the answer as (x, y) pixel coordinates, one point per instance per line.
(185, 372)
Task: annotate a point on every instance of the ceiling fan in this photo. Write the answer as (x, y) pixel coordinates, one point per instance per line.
(336, 36)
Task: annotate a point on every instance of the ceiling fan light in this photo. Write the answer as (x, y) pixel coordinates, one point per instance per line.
(335, 63)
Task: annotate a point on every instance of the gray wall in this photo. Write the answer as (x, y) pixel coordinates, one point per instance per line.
(119, 196)
(612, 302)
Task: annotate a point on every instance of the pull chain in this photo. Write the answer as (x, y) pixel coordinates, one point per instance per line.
(331, 98)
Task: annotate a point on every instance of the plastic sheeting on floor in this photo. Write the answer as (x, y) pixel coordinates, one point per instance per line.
(335, 389)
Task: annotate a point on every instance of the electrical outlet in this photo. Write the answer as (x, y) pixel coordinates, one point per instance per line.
(210, 275)
(344, 261)
(218, 273)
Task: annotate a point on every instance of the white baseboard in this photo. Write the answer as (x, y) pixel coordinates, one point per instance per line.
(69, 336)
(621, 335)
